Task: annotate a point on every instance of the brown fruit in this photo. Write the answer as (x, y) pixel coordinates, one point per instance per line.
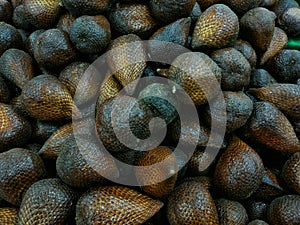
(53, 49)
(217, 27)
(257, 27)
(278, 42)
(285, 97)
(285, 66)
(31, 41)
(6, 10)
(121, 59)
(236, 69)
(289, 21)
(115, 205)
(203, 75)
(168, 167)
(20, 168)
(240, 7)
(20, 20)
(46, 98)
(239, 171)
(5, 93)
(200, 163)
(133, 19)
(136, 126)
(86, 7)
(74, 167)
(205, 181)
(90, 34)
(261, 78)
(281, 6)
(258, 222)
(246, 49)
(190, 204)
(42, 13)
(17, 66)
(290, 173)
(167, 11)
(9, 37)
(285, 210)
(41, 130)
(110, 87)
(268, 126)
(15, 130)
(65, 21)
(231, 212)
(204, 4)
(47, 201)
(9, 216)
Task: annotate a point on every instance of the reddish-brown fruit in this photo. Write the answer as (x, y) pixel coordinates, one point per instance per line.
(133, 19)
(115, 205)
(9, 216)
(77, 159)
(47, 201)
(285, 210)
(20, 168)
(285, 97)
(290, 173)
(203, 73)
(86, 7)
(17, 66)
(268, 126)
(231, 212)
(200, 163)
(46, 98)
(239, 171)
(168, 11)
(53, 49)
(278, 42)
(217, 27)
(110, 87)
(42, 13)
(289, 21)
(246, 49)
(205, 181)
(167, 168)
(15, 130)
(240, 7)
(257, 27)
(190, 204)
(65, 21)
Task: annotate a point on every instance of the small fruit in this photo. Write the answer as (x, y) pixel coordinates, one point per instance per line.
(86, 7)
(290, 173)
(289, 21)
(261, 78)
(246, 49)
(9, 37)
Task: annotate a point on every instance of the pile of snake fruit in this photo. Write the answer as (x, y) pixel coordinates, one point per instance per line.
(153, 112)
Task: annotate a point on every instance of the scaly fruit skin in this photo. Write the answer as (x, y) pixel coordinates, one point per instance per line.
(9, 216)
(217, 27)
(115, 205)
(246, 49)
(285, 210)
(5, 93)
(20, 168)
(260, 78)
(15, 130)
(256, 209)
(290, 173)
(240, 7)
(191, 204)
(258, 222)
(48, 202)
(46, 98)
(268, 126)
(110, 87)
(286, 97)
(86, 7)
(9, 37)
(289, 21)
(239, 171)
(231, 212)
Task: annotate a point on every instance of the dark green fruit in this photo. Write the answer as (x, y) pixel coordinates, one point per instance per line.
(74, 167)
(133, 19)
(168, 11)
(17, 66)
(90, 34)
(285, 210)
(257, 27)
(53, 49)
(86, 7)
(115, 205)
(20, 168)
(47, 201)
(236, 70)
(9, 37)
(239, 171)
(246, 49)
(217, 27)
(261, 78)
(15, 129)
(290, 173)
(231, 212)
(42, 13)
(191, 203)
(285, 66)
(289, 21)
(6, 10)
